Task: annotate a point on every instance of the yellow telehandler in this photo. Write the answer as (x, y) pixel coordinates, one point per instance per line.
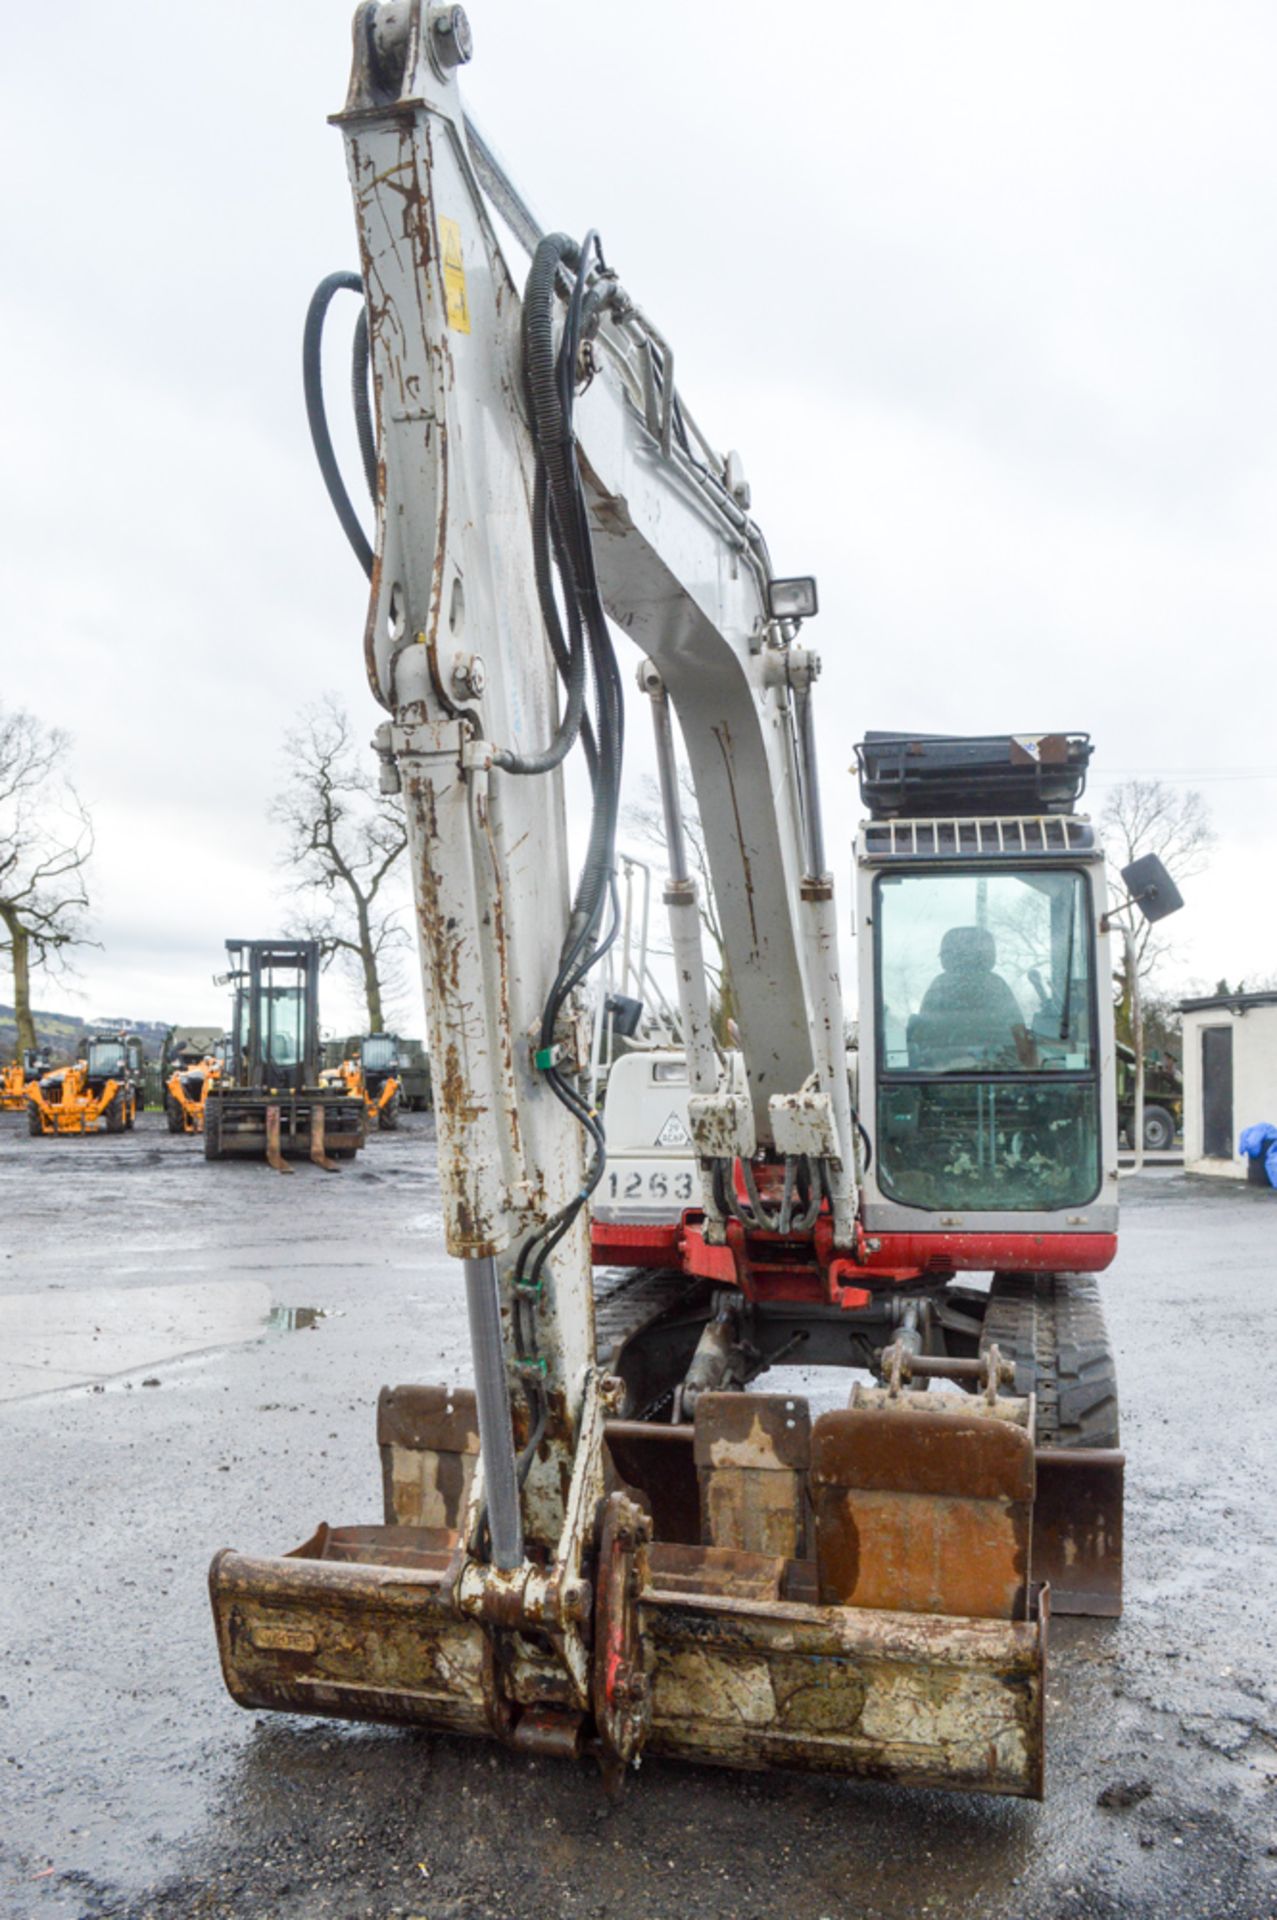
(100, 1093)
(371, 1073)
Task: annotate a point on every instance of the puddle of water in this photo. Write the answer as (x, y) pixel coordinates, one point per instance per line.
(70, 1337)
(294, 1319)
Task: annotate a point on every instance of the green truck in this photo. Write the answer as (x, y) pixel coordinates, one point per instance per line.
(1163, 1099)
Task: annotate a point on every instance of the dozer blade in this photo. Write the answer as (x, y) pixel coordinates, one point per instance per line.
(274, 1158)
(317, 1153)
(856, 1601)
(1077, 1528)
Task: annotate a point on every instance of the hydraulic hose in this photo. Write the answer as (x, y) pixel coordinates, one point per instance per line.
(313, 384)
(360, 372)
(562, 544)
(550, 380)
(569, 655)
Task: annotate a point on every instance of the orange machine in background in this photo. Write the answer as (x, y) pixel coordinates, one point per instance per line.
(99, 1094)
(371, 1073)
(187, 1090)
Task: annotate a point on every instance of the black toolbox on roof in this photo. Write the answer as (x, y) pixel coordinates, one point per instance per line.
(932, 775)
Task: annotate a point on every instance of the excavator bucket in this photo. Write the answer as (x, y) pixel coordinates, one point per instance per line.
(362, 1622)
(860, 1601)
(853, 1595)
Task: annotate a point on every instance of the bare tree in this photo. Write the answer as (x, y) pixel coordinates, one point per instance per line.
(344, 840)
(46, 838)
(1148, 816)
(645, 819)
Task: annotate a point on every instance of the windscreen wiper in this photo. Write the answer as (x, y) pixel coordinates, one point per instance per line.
(1068, 969)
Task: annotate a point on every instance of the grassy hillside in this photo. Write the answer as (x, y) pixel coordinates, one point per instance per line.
(62, 1032)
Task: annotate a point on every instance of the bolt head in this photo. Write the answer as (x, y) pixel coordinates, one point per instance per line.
(469, 677)
(576, 1600)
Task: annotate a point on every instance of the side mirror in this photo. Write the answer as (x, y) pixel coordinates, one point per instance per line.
(625, 1014)
(1151, 888)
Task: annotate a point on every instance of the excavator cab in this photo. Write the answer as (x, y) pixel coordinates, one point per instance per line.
(986, 1035)
(272, 1099)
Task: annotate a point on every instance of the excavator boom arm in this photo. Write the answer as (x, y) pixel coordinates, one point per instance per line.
(459, 654)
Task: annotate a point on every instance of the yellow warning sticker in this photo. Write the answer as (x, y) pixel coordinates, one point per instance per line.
(454, 276)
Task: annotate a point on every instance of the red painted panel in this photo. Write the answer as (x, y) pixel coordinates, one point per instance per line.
(995, 1252)
(767, 1268)
(653, 1244)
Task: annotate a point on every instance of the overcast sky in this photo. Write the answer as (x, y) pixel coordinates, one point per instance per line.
(983, 293)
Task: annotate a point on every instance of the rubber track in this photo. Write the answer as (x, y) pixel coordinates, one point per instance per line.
(1052, 1326)
(625, 1298)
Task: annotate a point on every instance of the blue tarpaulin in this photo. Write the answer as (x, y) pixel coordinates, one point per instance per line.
(1260, 1143)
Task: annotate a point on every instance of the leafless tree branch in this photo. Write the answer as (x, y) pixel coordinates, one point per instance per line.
(1150, 816)
(343, 842)
(46, 841)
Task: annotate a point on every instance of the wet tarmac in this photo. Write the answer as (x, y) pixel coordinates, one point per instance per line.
(189, 1359)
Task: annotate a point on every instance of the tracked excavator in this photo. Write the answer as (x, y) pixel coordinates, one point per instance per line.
(610, 1546)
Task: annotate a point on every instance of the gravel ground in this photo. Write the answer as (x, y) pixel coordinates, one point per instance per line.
(161, 1396)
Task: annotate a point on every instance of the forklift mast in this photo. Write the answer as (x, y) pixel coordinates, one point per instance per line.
(276, 1012)
(273, 1100)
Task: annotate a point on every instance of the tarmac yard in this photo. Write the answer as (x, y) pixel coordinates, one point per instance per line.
(189, 1359)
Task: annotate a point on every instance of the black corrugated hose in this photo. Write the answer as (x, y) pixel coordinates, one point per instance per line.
(551, 385)
(313, 385)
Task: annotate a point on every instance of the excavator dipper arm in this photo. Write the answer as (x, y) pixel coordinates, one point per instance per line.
(460, 652)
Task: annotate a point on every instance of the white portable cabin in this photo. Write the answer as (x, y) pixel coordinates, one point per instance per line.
(1230, 1076)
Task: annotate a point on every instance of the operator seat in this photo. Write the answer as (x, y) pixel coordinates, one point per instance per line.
(968, 1011)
